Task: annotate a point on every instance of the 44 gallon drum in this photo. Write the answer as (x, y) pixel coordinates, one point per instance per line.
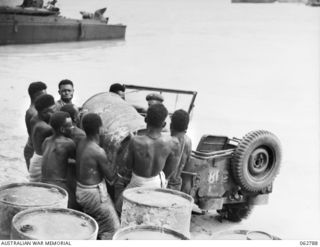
(147, 233)
(157, 207)
(17, 197)
(53, 223)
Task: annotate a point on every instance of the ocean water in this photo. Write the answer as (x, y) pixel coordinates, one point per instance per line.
(254, 66)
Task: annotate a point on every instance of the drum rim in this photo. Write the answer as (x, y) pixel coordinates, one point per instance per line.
(33, 184)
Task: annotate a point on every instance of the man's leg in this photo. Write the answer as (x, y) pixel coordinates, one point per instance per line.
(28, 152)
(97, 203)
(108, 220)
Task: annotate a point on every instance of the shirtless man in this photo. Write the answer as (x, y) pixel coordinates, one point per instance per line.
(151, 153)
(91, 192)
(40, 130)
(178, 129)
(152, 157)
(155, 98)
(66, 91)
(57, 150)
(35, 89)
(77, 134)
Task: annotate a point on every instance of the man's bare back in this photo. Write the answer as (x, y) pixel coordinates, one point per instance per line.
(91, 162)
(91, 190)
(175, 181)
(77, 135)
(40, 128)
(35, 89)
(30, 113)
(148, 156)
(186, 148)
(40, 131)
(56, 152)
(178, 129)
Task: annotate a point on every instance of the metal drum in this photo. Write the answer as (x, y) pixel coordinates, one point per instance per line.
(53, 223)
(147, 233)
(243, 235)
(258, 235)
(119, 119)
(157, 207)
(17, 197)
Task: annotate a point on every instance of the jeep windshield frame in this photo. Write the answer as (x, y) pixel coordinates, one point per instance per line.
(192, 94)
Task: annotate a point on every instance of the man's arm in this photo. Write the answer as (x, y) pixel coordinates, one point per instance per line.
(27, 120)
(172, 161)
(129, 161)
(43, 146)
(103, 165)
(71, 150)
(189, 149)
(44, 133)
(40, 133)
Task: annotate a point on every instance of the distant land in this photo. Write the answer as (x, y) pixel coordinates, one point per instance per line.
(307, 2)
(254, 1)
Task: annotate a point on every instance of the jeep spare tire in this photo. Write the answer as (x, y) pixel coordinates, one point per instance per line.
(256, 160)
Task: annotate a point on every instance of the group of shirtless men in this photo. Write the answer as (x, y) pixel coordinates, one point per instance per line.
(59, 152)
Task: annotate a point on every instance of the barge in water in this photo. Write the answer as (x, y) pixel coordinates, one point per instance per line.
(30, 25)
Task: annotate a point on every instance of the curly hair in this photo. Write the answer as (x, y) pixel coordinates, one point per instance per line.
(180, 120)
(36, 87)
(91, 123)
(43, 101)
(156, 115)
(65, 82)
(72, 110)
(114, 88)
(58, 119)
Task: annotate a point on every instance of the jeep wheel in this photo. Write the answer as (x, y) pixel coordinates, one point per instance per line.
(235, 212)
(256, 160)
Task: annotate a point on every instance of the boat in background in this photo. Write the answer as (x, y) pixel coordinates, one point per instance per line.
(314, 3)
(31, 25)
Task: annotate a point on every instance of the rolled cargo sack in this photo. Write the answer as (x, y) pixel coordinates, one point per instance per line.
(53, 223)
(119, 119)
(17, 197)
